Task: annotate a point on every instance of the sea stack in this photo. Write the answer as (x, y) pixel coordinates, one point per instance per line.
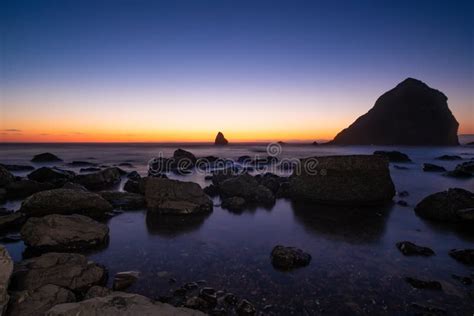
(220, 139)
(410, 114)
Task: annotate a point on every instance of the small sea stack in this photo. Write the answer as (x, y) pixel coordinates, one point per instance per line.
(220, 139)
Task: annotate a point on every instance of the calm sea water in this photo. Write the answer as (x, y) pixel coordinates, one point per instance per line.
(356, 268)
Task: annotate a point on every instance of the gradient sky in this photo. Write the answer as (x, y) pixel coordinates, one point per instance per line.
(255, 70)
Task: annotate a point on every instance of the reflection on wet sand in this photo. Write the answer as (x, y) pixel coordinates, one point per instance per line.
(170, 226)
(354, 225)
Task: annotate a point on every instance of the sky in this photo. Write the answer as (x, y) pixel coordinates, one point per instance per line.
(179, 70)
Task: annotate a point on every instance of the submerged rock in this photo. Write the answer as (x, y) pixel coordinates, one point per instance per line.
(429, 167)
(343, 180)
(46, 157)
(65, 201)
(69, 270)
(393, 156)
(6, 177)
(400, 117)
(124, 200)
(123, 280)
(450, 205)
(165, 196)
(465, 256)
(64, 233)
(422, 284)
(118, 303)
(39, 301)
(6, 269)
(410, 249)
(287, 258)
(100, 180)
(52, 175)
(220, 139)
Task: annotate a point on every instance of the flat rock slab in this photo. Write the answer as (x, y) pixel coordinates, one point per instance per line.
(64, 233)
(69, 270)
(66, 202)
(354, 180)
(117, 304)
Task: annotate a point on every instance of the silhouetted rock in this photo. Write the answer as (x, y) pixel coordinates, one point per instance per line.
(100, 180)
(315, 143)
(124, 200)
(17, 167)
(449, 157)
(343, 180)
(211, 190)
(465, 256)
(119, 303)
(165, 196)
(287, 258)
(463, 170)
(183, 160)
(39, 301)
(78, 163)
(66, 202)
(410, 114)
(429, 167)
(134, 176)
(234, 203)
(5, 177)
(452, 205)
(46, 157)
(393, 156)
(64, 233)
(6, 269)
(422, 284)
(410, 249)
(132, 186)
(25, 188)
(220, 139)
(54, 175)
(246, 187)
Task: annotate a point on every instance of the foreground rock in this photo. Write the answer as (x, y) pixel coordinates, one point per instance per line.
(6, 177)
(465, 256)
(429, 167)
(399, 117)
(39, 301)
(183, 160)
(393, 156)
(65, 201)
(24, 188)
(410, 249)
(123, 280)
(423, 284)
(100, 180)
(453, 205)
(97, 291)
(6, 269)
(52, 175)
(247, 187)
(124, 200)
(220, 139)
(12, 221)
(69, 270)
(165, 196)
(343, 180)
(463, 170)
(46, 157)
(287, 258)
(64, 233)
(118, 303)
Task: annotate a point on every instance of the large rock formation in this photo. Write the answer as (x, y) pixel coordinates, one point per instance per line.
(453, 205)
(343, 180)
(64, 232)
(220, 139)
(118, 303)
(65, 201)
(410, 114)
(165, 196)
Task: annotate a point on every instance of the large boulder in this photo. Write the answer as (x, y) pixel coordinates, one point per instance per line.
(343, 180)
(167, 196)
(124, 200)
(453, 205)
(183, 160)
(118, 304)
(39, 301)
(220, 139)
(64, 233)
(246, 187)
(100, 180)
(52, 175)
(6, 177)
(6, 269)
(46, 157)
(24, 188)
(69, 270)
(410, 114)
(65, 201)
